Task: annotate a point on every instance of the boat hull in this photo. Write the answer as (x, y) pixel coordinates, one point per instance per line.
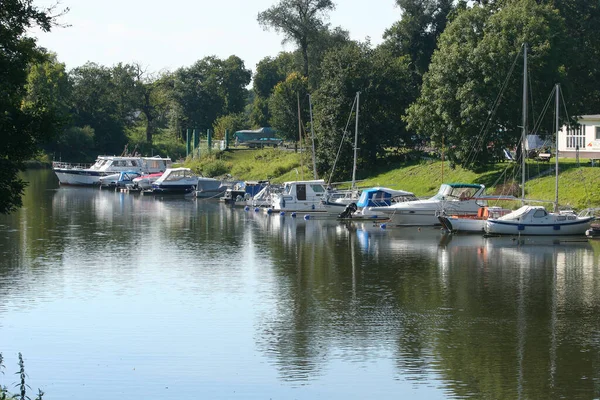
(79, 177)
(461, 224)
(172, 189)
(415, 217)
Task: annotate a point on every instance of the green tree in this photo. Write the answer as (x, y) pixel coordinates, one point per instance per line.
(416, 34)
(207, 90)
(230, 123)
(582, 87)
(458, 101)
(325, 40)
(284, 106)
(384, 83)
(102, 103)
(300, 21)
(269, 72)
(24, 124)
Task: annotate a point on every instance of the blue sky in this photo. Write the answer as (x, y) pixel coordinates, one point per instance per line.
(170, 34)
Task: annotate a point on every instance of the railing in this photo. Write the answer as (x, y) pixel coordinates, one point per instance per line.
(64, 165)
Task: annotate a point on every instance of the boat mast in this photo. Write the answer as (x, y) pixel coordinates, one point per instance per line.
(556, 155)
(355, 142)
(300, 135)
(312, 133)
(524, 122)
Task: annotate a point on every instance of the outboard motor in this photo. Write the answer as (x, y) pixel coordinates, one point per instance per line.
(348, 211)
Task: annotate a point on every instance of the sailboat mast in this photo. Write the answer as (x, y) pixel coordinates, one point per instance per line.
(524, 122)
(355, 141)
(556, 155)
(300, 135)
(312, 133)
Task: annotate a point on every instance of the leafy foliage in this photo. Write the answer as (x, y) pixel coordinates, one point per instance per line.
(207, 90)
(458, 107)
(289, 98)
(25, 124)
(230, 123)
(299, 21)
(384, 84)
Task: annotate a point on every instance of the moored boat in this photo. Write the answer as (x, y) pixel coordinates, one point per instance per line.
(471, 223)
(377, 197)
(119, 179)
(463, 198)
(175, 181)
(535, 220)
(78, 174)
(300, 196)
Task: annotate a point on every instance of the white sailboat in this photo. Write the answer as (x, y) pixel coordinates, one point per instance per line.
(337, 201)
(536, 220)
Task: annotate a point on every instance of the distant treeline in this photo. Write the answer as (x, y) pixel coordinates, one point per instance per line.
(434, 81)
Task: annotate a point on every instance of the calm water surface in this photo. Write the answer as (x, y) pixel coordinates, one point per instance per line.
(111, 295)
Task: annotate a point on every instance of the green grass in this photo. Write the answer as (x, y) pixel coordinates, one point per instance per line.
(579, 186)
(244, 164)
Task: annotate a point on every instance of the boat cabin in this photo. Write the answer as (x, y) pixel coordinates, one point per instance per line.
(300, 195)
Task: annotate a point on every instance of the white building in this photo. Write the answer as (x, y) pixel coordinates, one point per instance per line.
(585, 137)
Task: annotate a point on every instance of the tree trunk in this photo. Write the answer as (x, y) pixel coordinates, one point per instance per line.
(304, 45)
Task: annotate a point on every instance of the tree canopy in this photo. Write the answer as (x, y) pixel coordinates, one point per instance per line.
(300, 21)
(458, 102)
(25, 122)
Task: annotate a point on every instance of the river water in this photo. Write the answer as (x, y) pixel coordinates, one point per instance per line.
(112, 295)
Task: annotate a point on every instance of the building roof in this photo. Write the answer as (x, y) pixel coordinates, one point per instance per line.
(589, 117)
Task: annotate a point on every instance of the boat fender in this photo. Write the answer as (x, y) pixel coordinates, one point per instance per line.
(269, 210)
(246, 208)
(307, 217)
(256, 209)
(293, 215)
(383, 226)
(282, 213)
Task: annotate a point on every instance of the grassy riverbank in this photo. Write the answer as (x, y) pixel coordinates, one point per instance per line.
(579, 186)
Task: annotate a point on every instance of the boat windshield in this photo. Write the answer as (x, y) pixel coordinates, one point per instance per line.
(448, 192)
(98, 164)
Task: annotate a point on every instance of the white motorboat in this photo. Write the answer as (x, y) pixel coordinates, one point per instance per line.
(78, 174)
(535, 220)
(175, 181)
(463, 198)
(376, 197)
(300, 196)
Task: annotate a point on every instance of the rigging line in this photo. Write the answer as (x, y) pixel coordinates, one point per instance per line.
(481, 136)
(537, 125)
(337, 156)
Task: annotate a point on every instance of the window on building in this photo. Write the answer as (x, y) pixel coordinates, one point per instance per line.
(598, 133)
(575, 137)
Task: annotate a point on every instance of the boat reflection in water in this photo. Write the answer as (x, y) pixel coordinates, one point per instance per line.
(490, 317)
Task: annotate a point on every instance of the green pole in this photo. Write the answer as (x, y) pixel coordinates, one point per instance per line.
(209, 140)
(187, 142)
(196, 138)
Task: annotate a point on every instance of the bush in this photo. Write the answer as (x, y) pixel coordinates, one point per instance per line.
(214, 168)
